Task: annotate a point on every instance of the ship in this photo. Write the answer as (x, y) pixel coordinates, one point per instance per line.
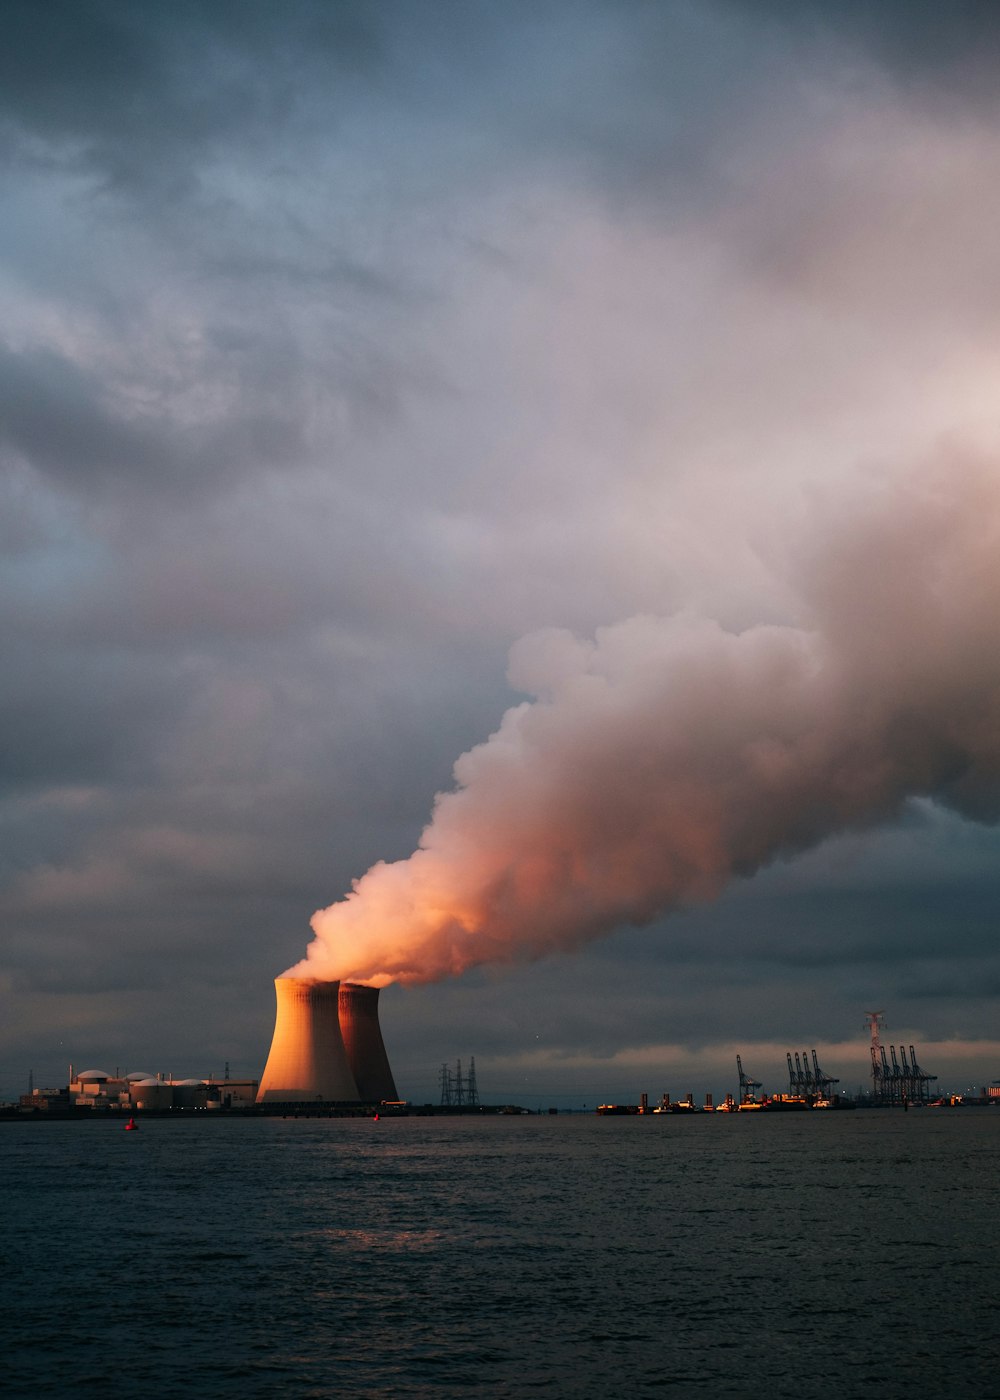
(777, 1103)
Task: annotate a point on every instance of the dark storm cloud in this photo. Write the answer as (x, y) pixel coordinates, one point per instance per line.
(644, 99)
(52, 415)
(138, 92)
(72, 717)
(636, 94)
(914, 39)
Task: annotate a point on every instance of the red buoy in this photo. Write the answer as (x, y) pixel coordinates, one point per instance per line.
(131, 1126)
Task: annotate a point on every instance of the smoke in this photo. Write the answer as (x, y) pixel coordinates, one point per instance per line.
(668, 755)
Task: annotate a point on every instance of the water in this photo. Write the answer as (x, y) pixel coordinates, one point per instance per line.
(821, 1255)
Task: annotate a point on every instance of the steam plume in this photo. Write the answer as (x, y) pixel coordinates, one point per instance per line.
(668, 755)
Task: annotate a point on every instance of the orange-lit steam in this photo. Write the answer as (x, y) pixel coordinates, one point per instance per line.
(667, 755)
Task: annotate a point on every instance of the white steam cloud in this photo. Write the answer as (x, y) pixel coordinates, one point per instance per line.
(668, 755)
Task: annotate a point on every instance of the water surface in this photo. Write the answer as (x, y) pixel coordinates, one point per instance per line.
(821, 1255)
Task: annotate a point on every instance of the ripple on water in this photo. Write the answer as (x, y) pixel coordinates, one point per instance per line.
(501, 1257)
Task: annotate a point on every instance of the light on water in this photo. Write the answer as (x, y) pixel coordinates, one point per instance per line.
(836, 1255)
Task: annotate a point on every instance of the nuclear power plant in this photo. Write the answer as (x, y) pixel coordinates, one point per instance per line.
(327, 1045)
(362, 1036)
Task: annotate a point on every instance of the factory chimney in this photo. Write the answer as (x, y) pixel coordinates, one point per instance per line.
(359, 1026)
(307, 1060)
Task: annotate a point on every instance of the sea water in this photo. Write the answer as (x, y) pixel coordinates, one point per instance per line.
(801, 1255)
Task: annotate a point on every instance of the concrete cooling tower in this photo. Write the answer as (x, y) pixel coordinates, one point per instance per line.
(359, 1026)
(307, 1060)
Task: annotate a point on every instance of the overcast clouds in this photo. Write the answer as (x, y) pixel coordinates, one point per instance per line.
(343, 347)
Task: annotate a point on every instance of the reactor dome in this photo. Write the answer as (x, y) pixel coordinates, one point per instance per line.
(93, 1075)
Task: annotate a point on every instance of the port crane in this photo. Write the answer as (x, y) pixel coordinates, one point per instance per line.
(806, 1080)
(899, 1083)
(747, 1085)
(921, 1081)
(824, 1082)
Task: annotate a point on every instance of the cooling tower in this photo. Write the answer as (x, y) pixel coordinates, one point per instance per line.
(307, 1060)
(363, 1042)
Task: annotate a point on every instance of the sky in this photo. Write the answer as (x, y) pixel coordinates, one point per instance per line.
(545, 456)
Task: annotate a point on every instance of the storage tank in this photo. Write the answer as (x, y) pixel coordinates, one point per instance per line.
(151, 1094)
(359, 1026)
(190, 1093)
(307, 1061)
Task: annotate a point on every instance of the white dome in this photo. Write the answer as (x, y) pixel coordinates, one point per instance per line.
(93, 1074)
(140, 1076)
(189, 1083)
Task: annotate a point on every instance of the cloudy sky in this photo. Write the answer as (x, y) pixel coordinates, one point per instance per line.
(372, 372)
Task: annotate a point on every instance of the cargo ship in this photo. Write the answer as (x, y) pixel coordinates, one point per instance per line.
(777, 1103)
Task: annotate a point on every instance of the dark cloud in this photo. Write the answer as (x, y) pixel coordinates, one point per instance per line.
(53, 417)
(918, 41)
(142, 96)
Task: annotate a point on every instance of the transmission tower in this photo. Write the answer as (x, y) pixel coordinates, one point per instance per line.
(471, 1088)
(458, 1086)
(446, 1087)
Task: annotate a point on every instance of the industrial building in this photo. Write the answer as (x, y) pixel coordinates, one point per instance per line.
(327, 1048)
(96, 1089)
(357, 1010)
(327, 1045)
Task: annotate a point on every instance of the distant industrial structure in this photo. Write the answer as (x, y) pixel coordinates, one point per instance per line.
(458, 1091)
(327, 1054)
(96, 1089)
(805, 1080)
(898, 1083)
(357, 1012)
(327, 1045)
(327, 1050)
(748, 1086)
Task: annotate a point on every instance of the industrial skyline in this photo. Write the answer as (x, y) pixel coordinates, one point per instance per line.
(327, 1046)
(538, 463)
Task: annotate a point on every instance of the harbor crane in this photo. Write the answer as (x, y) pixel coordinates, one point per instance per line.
(747, 1085)
(824, 1082)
